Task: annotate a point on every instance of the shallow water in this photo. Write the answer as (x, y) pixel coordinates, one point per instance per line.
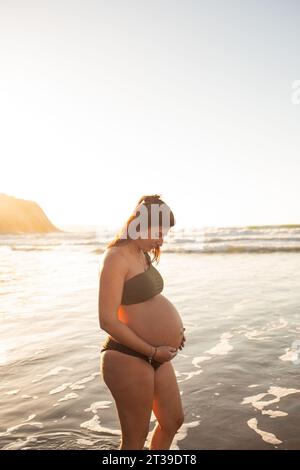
(238, 373)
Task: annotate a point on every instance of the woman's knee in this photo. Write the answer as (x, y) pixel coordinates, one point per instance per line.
(173, 424)
(134, 442)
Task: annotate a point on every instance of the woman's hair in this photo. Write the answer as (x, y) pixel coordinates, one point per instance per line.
(123, 235)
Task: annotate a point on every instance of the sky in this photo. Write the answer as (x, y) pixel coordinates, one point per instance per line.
(102, 102)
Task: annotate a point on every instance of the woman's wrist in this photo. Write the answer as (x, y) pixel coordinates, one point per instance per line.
(153, 352)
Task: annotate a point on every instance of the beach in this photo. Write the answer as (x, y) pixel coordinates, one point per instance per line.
(238, 296)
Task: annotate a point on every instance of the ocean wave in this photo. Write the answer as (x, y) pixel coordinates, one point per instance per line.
(224, 249)
(205, 240)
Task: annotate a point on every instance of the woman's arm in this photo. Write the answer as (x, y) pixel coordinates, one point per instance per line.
(112, 276)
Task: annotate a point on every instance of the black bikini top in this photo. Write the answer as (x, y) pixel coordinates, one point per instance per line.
(142, 286)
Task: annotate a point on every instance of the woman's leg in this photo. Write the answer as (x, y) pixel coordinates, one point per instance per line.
(167, 407)
(131, 383)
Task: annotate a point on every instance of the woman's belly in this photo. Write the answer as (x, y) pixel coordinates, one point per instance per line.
(156, 321)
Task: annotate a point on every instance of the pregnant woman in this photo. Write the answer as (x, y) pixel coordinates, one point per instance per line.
(144, 329)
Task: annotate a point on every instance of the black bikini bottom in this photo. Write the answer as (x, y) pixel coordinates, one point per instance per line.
(110, 344)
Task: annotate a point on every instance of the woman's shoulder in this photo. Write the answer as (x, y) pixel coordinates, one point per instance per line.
(113, 261)
(114, 255)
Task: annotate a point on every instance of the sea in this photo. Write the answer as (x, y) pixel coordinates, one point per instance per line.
(237, 291)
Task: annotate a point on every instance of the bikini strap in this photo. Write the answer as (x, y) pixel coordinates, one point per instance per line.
(148, 257)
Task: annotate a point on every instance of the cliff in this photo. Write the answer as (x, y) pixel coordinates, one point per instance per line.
(21, 216)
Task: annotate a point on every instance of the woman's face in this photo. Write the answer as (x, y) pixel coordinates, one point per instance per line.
(155, 238)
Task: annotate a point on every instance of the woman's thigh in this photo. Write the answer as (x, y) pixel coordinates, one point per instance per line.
(131, 382)
(167, 405)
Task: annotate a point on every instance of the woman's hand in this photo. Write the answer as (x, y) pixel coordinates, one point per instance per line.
(164, 353)
(183, 340)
